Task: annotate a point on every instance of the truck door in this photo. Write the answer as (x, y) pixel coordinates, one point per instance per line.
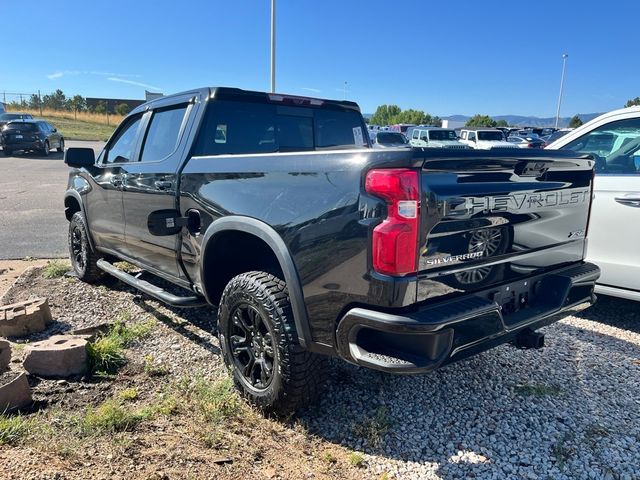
(151, 183)
(615, 216)
(104, 207)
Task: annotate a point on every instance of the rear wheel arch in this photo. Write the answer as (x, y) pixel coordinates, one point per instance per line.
(229, 237)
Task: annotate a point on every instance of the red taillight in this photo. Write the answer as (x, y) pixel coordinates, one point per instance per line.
(395, 240)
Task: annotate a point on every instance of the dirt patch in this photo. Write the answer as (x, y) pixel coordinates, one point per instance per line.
(10, 270)
(170, 412)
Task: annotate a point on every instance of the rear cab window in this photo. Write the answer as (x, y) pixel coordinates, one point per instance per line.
(247, 127)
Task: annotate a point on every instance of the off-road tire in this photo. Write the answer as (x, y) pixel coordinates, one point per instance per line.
(297, 374)
(83, 257)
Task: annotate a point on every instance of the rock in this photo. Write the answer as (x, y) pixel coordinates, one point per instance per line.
(58, 356)
(5, 355)
(14, 393)
(24, 318)
(92, 332)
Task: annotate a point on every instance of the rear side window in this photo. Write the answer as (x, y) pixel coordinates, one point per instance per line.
(244, 127)
(163, 134)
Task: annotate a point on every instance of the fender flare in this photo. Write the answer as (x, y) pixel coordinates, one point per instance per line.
(269, 236)
(78, 198)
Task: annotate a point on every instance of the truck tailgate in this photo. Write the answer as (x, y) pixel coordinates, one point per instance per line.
(492, 217)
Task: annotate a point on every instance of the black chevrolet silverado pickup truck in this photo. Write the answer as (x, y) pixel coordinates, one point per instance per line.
(276, 209)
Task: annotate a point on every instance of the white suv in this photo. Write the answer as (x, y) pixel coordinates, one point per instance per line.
(614, 227)
(484, 138)
(434, 137)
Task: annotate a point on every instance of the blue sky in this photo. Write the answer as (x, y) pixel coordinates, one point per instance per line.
(461, 57)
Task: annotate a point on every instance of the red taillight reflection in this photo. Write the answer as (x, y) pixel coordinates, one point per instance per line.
(395, 240)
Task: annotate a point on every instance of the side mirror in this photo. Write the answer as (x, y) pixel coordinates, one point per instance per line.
(54, 130)
(77, 157)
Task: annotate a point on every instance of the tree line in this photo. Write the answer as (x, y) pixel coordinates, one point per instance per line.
(59, 101)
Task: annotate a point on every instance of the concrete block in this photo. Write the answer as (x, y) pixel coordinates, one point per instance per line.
(14, 391)
(58, 356)
(5, 355)
(24, 318)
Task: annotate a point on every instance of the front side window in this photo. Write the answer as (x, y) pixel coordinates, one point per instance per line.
(163, 134)
(472, 136)
(122, 148)
(615, 146)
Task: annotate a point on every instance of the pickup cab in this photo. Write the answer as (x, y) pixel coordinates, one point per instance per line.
(484, 138)
(311, 244)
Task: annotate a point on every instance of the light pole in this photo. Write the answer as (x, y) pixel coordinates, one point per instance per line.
(344, 91)
(564, 64)
(273, 46)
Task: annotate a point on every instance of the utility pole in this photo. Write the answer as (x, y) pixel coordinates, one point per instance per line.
(344, 91)
(564, 64)
(273, 46)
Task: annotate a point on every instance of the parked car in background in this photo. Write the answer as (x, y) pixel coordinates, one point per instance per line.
(31, 135)
(7, 117)
(613, 139)
(484, 138)
(389, 140)
(434, 137)
(401, 127)
(549, 139)
(526, 142)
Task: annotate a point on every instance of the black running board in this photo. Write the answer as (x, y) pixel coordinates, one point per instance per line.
(150, 289)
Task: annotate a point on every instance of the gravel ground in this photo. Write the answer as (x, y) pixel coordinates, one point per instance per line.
(567, 411)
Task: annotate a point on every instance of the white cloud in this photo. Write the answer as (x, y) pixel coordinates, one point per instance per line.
(309, 89)
(132, 82)
(63, 73)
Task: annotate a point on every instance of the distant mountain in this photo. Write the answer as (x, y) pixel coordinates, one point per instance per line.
(524, 121)
(521, 120)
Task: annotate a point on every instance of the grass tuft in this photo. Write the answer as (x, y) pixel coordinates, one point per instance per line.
(329, 457)
(356, 459)
(153, 369)
(128, 394)
(55, 269)
(14, 428)
(372, 430)
(112, 416)
(216, 401)
(106, 354)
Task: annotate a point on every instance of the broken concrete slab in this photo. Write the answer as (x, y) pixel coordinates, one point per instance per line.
(5, 355)
(58, 356)
(14, 391)
(24, 318)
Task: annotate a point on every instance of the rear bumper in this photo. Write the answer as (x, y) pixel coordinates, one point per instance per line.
(430, 336)
(29, 145)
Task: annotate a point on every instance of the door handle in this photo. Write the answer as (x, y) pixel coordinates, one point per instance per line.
(632, 200)
(163, 184)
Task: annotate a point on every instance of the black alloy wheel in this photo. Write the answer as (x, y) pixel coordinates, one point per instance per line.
(252, 346)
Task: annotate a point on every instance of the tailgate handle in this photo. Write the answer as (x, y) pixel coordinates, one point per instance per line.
(629, 200)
